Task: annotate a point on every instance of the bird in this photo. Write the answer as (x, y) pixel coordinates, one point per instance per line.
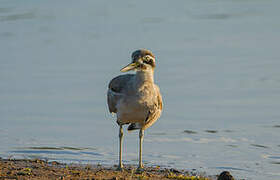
(135, 98)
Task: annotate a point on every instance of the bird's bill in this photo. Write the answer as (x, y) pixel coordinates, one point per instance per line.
(129, 67)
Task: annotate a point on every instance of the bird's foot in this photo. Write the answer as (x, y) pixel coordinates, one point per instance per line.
(120, 168)
(140, 169)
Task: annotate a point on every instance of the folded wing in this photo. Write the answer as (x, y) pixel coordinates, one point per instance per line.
(115, 90)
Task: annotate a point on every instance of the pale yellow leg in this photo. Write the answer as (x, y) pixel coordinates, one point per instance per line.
(141, 137)
(120, 167)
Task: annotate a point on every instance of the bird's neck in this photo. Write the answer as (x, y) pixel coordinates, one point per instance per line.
(144, 77)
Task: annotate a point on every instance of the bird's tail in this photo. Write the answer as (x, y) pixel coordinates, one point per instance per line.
(134, 126)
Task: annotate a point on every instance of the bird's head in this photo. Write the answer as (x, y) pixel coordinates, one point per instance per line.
(142, 60)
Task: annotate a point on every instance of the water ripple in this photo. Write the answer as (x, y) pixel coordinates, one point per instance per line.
(259, 146)
(57, 151)
(14, 17)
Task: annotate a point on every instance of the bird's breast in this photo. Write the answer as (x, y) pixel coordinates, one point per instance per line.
(132, 109)
(135, 106)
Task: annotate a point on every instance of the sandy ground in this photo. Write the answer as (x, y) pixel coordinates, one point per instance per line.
(40, 169)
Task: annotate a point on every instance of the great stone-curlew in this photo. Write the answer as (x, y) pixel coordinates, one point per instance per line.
(135, 98)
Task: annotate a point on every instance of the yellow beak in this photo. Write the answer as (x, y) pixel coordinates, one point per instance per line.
(129, 67)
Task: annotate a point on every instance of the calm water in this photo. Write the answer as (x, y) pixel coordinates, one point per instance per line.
(218, 69)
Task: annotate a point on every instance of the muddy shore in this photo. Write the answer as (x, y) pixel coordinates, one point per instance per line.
(41, 169)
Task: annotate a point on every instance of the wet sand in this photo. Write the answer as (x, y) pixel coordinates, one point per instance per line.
(41, 169)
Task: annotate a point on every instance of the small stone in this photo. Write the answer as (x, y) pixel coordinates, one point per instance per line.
(174, 170)
(54, 163)
(225, 176)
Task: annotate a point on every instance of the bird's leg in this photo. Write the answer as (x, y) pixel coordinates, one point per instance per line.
(120, 167)
(141, 137)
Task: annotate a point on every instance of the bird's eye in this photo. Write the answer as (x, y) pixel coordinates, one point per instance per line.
(147, 59)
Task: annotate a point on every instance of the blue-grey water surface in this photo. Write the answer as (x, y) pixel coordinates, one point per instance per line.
(217, 66)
